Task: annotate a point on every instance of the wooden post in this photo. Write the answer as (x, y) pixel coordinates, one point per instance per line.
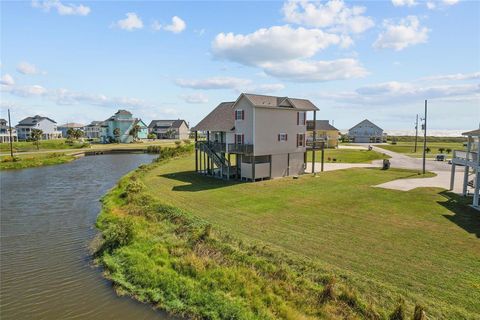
(10, 130)
(196, 151)
(270, 174)
(416, 135)
(253, 168)
(452, 177)
(425, 138)
(314, 146)
(288, 164)
(467, 168)
(323, 154)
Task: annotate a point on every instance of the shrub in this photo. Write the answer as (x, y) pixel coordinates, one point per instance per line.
(448, 150)
(118, 233)
(399, 312)
(178, 143)
(419, 313)
(441, 149)
(154, 149)
(328, 292)
(152, 136)
(187, 141)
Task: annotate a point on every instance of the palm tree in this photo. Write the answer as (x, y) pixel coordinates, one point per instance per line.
(36, 136)
(134, 132)
(170, 133)
(116, 133)
(70, 133)
(448, 150)
(77, 134)
(427, 150)
(441, 149)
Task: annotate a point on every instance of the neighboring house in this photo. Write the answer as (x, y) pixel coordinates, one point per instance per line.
(470, 160)
(47, 125)
(266, 133)
(5, 132)
(124, 122)
(169, 129)
(366, 132)
(93, 130)
(325, 132)
(70, 125)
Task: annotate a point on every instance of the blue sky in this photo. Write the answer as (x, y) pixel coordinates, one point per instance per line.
(81, 61)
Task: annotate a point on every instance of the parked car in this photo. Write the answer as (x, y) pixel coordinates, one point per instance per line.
(440, 157)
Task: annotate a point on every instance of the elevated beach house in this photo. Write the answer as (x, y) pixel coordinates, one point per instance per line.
(471, 161)
(63, 128)
(325, 132)
(254, 137)
(93, 130)
(169, 129)
(119, 128)
(366, 132)
(47, 125)
(5, 132)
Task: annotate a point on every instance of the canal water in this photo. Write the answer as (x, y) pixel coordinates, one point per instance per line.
(47, 220)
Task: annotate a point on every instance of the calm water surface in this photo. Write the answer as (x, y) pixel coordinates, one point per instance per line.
(47, 220)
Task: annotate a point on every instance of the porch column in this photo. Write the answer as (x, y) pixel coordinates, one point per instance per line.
(196, 151)
(477, 186)
(314, 146)
(452, 177)
(253, 168)
(465, 175)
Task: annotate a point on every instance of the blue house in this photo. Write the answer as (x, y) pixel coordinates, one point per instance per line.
(124, 121)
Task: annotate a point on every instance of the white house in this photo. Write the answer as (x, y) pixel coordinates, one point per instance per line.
(366, 132)
(93, 130)
(169, 129)
(265, 133)
(5, 132)
(70, 125)
(47, 125)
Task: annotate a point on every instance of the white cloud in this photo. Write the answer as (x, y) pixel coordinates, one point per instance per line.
(28, 68)
(130, 23)
(311, 71)
(62, 9)
(7, 80)
(400, 36)
(213, 83)
(25, 91)
(194, 98)
(334, 14)
(450, 2)
(401, 3)
(275, 44)
(456, 76)
(177, 25)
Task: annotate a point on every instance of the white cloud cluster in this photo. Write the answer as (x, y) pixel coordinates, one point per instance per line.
(194, 98)
(62, 9)
(334, 15)
(401, 3)
(130, 23)
(7, 80)
(456, 76)
(286, 52)
(399, 36)
(27, 68)
(177, 25)
(431, 4)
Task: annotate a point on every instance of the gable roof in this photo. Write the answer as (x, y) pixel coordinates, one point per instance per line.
(258, 100)
(322, 125)
(166, 124)
(473, 133)
(94, 124)
(31, 121)
(365, 122)
(71, 125)
(220, 119)
(123, 111)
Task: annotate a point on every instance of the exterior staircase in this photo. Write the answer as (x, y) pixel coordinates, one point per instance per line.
(218, 158)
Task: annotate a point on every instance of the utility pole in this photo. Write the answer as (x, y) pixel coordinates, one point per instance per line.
(416, 134)
(424, 137)
(10, 130)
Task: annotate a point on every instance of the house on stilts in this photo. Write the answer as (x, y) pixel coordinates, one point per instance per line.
(253, 138)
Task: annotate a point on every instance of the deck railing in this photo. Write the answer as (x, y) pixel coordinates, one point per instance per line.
(240, 148)
(460, 154)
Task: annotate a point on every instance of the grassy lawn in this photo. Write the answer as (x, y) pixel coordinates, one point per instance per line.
(58, 144)
(347, 156)
(422, 245)
(408, 148)
(34, 160)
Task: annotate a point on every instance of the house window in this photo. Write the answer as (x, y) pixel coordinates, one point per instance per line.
(301, 118)
(239, 139)
(282, 137)
(239, 115)
(300, 140)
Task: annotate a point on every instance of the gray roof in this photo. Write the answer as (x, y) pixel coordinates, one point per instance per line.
(123, 111)
(366, 121)
(322, 125)
(473, 133)
(94, 124)
(71, 125)
(264, 101)
(220, 119)
(166, 124)
(31, 121)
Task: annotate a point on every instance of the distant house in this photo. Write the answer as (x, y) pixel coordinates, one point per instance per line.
(70, 125)
(5, 133)
(366, 132)
(93, 130)
(47, 125)
(265, 133)
(169, 129)
(325, 132)
(118, 128)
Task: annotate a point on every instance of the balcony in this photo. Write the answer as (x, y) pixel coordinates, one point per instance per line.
(461, 157)
(246, 149)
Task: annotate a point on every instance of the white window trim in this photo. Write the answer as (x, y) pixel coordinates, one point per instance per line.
(283, 137)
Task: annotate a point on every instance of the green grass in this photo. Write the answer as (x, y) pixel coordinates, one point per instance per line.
(34, 160)
(347, 156)
(58, 144)
(408, 148)
(422, 246)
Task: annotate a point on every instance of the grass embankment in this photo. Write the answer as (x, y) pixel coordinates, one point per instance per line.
(34, 160)
(347, 156)
(57, 144)
(327, 247)
(408, 148)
